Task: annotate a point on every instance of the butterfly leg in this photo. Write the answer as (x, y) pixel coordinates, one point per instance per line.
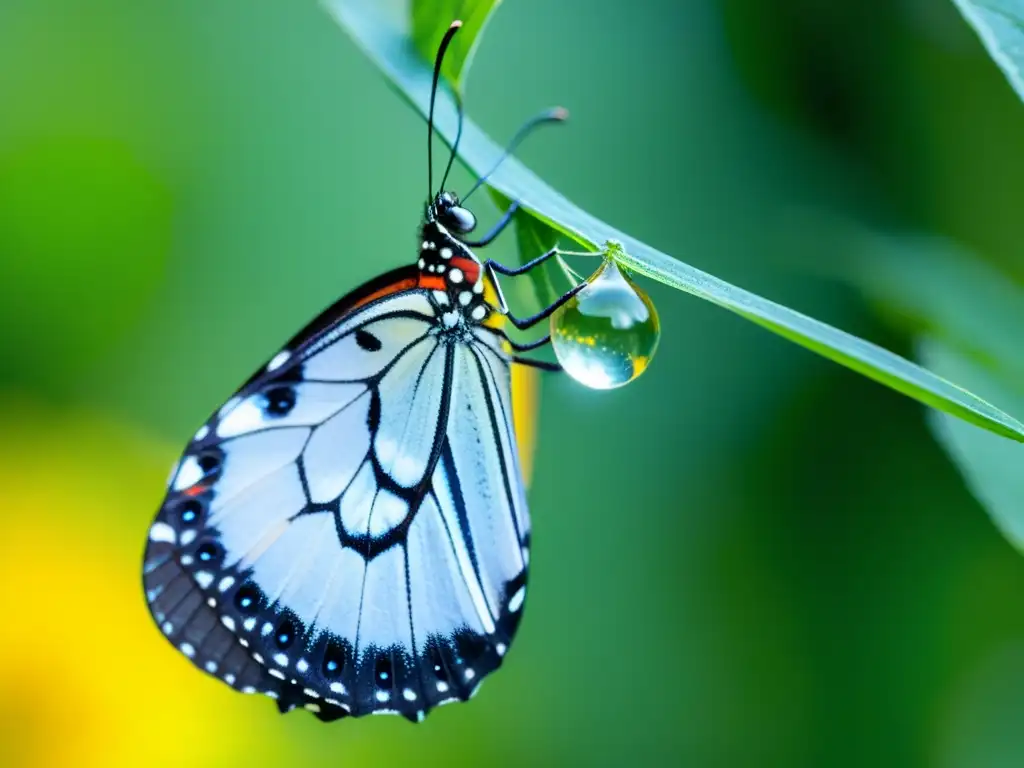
(521, 270)
(541, 364)
(529, 345)
(528, 322)
(496, 230)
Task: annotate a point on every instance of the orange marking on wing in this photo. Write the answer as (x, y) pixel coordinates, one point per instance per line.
(195, 490)
(401, 285)
(433, 282)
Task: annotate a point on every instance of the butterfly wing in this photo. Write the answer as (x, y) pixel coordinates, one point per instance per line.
(348, 533)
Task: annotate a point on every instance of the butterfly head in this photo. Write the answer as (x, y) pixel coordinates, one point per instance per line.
(446, 211)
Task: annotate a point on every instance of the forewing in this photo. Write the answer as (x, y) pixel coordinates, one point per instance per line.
(349, 532)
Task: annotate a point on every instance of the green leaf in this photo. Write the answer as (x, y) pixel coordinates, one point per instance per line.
(967, 318)
(1000, 25)
(389, 46)
(992, 467)
(431, 19)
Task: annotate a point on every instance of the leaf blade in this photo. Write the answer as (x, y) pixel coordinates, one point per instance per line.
(429, 22)
(390, 48)
(1000, 25)
(991, 467)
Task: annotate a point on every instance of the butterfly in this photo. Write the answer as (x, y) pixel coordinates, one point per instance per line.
(348, 533)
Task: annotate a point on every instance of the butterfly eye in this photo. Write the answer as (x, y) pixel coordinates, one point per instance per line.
(460, 219)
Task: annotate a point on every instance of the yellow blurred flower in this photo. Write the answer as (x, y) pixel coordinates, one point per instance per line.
(85, 677)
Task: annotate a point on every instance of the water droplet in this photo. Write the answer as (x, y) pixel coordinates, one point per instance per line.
(606, 335)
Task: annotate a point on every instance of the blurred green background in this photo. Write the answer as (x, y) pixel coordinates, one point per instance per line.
(748, 557)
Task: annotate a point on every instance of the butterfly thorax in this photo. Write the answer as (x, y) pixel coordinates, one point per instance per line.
(454, 276)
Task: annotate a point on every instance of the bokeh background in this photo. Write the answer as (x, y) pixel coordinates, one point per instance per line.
(750, 556)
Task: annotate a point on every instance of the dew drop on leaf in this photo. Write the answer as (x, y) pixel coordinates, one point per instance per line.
(606, 335)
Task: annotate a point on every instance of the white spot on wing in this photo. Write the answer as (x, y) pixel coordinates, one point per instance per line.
(162, 532)
(228, 407)
(189, 473)
(278, 360)
(516, 601)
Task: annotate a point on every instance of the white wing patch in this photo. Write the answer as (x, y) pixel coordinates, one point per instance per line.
(485, 479)
(336, 449)
(251, 458)
(384, 621)
(441, 597)
(346, 360)
(460, 544)
(340, 612)
(314, 404)
(411, 395)
(251, 521)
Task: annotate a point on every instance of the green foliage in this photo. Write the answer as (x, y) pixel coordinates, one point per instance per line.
(967, 318)
(1000, 25)
(429, 22)
(391, 48)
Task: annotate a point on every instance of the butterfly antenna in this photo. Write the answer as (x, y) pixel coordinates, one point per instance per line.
(458, 137)
(556, 115)
(433, 94)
